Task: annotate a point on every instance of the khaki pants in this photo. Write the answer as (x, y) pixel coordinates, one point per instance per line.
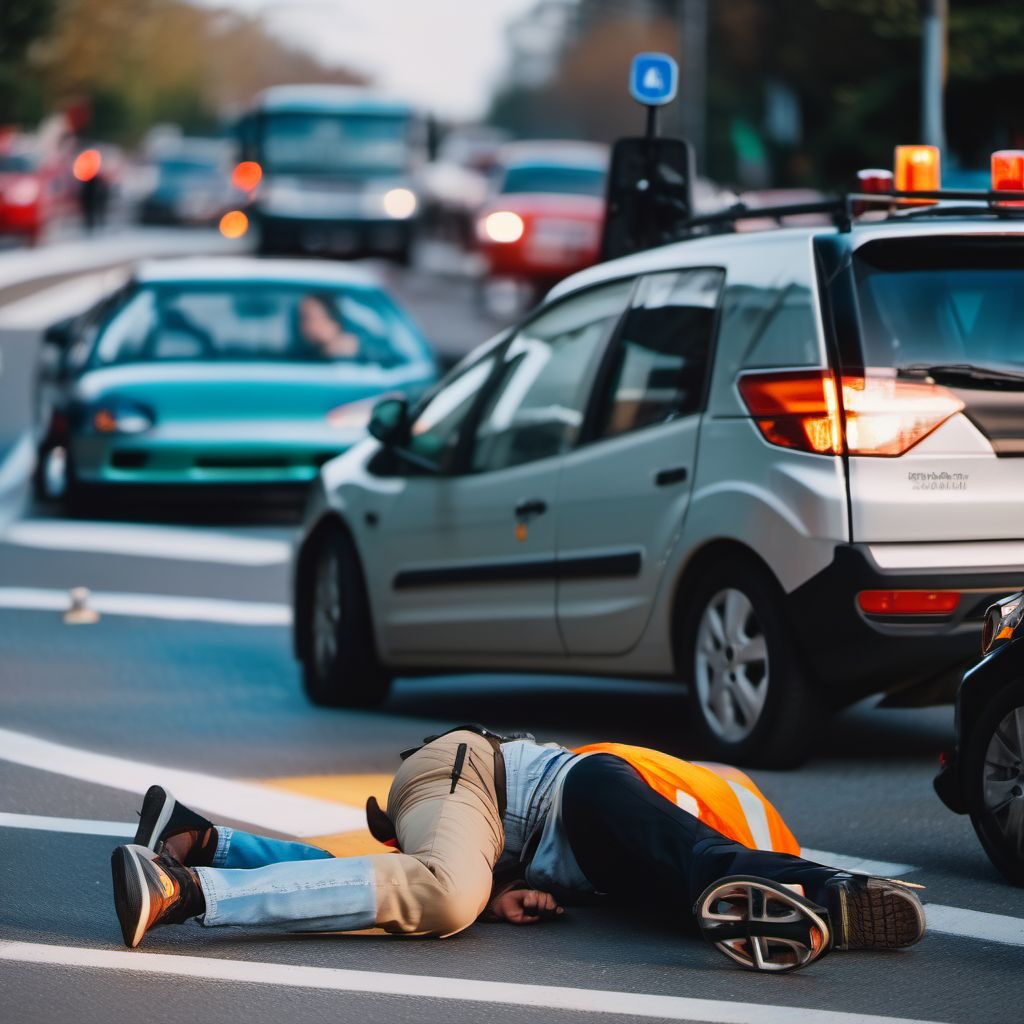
(441, 881)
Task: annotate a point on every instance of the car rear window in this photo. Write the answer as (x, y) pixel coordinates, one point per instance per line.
(941, 302)
(257, 322)
(553, 178)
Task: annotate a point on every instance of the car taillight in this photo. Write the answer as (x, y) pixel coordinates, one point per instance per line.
(882, 415)
(908, 602)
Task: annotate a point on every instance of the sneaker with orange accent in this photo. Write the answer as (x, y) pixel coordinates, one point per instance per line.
(763, 925)
(151, 890)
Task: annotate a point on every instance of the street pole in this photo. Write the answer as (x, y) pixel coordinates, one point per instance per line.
(694, 73)
(934, 32)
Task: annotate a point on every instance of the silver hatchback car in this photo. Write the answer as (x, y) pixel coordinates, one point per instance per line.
(782, 468)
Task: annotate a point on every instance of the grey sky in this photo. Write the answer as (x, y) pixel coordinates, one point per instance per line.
(444, 54)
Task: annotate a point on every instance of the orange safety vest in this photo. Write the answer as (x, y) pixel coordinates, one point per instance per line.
(720, 796)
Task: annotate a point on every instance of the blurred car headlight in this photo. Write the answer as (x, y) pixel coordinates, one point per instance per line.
(400, 203)
(352, 415)
(23, 192)
(121, 418)
(502, 226)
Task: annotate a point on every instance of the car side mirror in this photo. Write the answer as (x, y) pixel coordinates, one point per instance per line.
(389, 422)
(61, 334)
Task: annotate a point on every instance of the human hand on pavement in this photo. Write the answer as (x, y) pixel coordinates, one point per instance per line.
(525, 906)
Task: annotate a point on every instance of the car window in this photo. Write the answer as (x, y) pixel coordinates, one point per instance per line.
(547, 368)
(788, 335)
(435, 430)
(661, 356)
(246, 322)
(554, 178)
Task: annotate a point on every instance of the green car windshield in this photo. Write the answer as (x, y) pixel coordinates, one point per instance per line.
(264, 322)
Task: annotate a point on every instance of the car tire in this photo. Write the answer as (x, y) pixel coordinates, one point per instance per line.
(340, 667)
(749, 700)
(993, 774)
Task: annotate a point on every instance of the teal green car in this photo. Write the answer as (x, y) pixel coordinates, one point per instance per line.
(213, 374)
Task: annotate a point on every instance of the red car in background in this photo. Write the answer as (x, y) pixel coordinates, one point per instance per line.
(32, 192)
(544, 219)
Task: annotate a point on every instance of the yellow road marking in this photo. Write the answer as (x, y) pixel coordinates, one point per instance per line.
(351, 790)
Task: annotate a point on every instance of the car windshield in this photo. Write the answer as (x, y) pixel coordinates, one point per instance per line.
(948, 308)
(323, 144)
(554, 178)
(180, 171)
(257, 322)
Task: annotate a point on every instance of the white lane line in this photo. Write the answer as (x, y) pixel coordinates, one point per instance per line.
(40, 309)
(150, 541)
(975, 924)
(260, 806)
(549, 997)
(80, 826)
(153, 606)
(860, 865)
(966, 924)
(17, 464)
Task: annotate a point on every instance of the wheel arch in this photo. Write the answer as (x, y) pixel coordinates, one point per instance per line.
(708, 554)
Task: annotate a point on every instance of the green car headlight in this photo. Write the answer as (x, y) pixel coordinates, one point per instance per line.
(121, 418)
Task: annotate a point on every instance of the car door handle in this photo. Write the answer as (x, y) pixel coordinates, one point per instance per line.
(670, 475)
(533, 507)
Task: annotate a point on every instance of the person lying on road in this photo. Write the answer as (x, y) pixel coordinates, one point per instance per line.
(504, 828)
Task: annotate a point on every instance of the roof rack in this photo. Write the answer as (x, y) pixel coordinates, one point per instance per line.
(844, 210)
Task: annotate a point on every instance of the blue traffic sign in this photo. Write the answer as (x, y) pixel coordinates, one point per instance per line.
(653, 79)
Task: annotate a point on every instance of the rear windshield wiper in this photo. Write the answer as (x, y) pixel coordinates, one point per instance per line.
(965, 374)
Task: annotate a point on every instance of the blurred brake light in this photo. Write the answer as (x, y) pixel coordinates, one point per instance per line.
(246, 175)
(234, 224)
(908, 602)
(881, 414)
(87, 164)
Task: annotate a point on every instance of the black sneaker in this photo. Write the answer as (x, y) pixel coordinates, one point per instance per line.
(150, 890)
(873, 913)
(162, 817)
(763, 925)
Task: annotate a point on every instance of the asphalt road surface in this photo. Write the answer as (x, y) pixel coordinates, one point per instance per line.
(192, 671)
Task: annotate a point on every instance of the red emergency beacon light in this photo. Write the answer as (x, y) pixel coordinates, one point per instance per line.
(917, 169)
(1008, 173)
(872, 181)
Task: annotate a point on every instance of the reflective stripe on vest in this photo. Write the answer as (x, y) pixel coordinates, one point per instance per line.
(723, 797)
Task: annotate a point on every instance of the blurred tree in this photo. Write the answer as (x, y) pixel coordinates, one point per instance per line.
(800, 92)
(22, 23)
(141, 62)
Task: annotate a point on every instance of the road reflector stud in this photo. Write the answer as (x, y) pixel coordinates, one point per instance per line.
(80, 614)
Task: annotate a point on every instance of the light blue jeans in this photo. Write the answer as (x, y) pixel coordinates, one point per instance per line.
(257, 881)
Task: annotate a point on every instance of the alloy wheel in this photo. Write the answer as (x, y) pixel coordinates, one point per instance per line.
(1003, 783)
(731, 669)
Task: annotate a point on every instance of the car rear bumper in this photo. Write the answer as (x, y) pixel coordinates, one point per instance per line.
(343, 237)
(858, 654)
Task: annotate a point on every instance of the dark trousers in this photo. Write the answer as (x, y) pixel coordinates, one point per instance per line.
(631, 842)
